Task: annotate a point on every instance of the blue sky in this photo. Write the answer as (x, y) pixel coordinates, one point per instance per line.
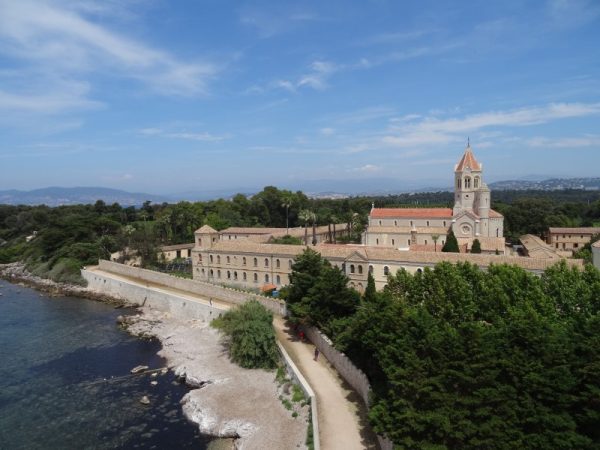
(167, 96)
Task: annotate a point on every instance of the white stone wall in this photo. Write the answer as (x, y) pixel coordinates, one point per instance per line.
(596, 256)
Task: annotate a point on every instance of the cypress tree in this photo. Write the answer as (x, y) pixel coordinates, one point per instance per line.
(451, 244)
(476, 247)
(370, 291)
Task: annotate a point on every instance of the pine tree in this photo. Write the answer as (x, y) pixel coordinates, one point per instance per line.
(476, 247)
(370, 291)
(451, 244)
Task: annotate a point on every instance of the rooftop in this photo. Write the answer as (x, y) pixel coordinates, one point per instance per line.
(467, 161)
(576, 230)
(425, 213)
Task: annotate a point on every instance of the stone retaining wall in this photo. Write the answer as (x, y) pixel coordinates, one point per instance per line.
(347, 370)
(133, 294)
(206, 290)
(297, 376)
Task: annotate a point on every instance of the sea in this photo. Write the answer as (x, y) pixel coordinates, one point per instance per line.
(65, 379)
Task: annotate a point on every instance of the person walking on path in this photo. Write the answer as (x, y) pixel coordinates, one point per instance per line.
(210, 301)
(316, 353)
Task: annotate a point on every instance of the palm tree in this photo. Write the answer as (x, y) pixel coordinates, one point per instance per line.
(305, 215)
(434, 238)
(334, 219)
(287, 200)
(314, 223)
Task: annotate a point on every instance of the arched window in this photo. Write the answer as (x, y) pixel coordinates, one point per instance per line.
(395, 223)
(386, 270)
(266, 278)
(228, 260)
(351, 268)
(344, 267)
(360, 269)
(419, 270)
(380, 223)
(393, 242)
(458, 183)
(244, 276)
(244, 261)
(255, 277)
(255, 262)
(444, 223)
(376, 241)
(228, 275)
(218, 274)
(266, 262)
(277, 263)
(467, 182)
(371, 270)
(278, 279)
(211, 258)
(428, 223)
(199, 257)
(212, 274)
(218, 259)
(200, 242)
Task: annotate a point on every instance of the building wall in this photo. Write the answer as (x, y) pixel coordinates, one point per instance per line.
(596, 256)
(569, 241)
(409, 222)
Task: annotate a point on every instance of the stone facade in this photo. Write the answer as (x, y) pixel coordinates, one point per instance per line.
(571, 239)
(427, 228)
(596, 253)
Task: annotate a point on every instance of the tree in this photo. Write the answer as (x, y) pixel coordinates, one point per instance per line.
(250, 335)
(434, 238)
(305, 216)
(451, 244)
(288, 199)
(370, 290)
(476, 247)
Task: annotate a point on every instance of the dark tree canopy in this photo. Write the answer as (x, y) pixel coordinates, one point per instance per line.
(451, 244)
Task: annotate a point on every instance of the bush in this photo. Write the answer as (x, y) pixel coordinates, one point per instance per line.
(250, 335)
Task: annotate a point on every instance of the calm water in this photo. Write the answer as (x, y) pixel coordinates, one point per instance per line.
(55, 354)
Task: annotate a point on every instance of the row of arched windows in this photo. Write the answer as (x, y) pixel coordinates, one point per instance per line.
(467, 182)
(233, 275)
(244, 262)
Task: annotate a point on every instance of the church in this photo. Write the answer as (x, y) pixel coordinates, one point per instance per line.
(425, 229)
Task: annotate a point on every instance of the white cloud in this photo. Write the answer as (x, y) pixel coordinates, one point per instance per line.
(55, 40)
(316, 78)
(71, 97)
(367, 168)
(203, 136)
(565, 142)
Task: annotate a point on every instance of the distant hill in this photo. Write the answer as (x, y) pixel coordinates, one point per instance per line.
(56, 196)
(552, 184)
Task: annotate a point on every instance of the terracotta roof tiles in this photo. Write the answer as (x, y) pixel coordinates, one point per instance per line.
(467, 161)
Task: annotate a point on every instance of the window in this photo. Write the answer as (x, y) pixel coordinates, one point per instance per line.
(244, 276)
(266, 262)
(411, 223)
(371, 270)
(467, 182)
(228, 275)
(277, 263)
(229, 237)
(255, 277)
(266, 278)
(360, 269)
(235, 275)
(393, 243)
(428, 223)
(409, 242)
(351, 268)
(244, 261)
(212, 274)
(218, 259)
(203, 272)
(200, 241)
(199, 258)
(425, 241)
(395, 223)
(444, 223)
(255, 262)
(344, 267)
(189, 252)
(575, 245)
(228, 260)
(386, 270)
(380, 223)
(419, 270)
(476, 182)
(376, 241)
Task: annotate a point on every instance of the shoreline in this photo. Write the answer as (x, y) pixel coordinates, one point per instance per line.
(223, 398)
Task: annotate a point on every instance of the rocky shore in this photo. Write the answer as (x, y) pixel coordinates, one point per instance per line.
(17, 273)
(250, 407)
(229, 401)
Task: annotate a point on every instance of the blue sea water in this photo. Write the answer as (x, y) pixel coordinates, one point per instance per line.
(65, 379)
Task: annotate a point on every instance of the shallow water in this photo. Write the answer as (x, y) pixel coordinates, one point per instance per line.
(65, 381)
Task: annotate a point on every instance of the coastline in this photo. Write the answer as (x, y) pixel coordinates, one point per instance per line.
(225, 401)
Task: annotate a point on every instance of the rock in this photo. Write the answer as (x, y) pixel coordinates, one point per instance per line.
(138, 369)
(154, 374)
(121, 320)
(154, 383)
(145, 400)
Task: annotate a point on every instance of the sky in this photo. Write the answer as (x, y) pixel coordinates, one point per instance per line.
(170, 96)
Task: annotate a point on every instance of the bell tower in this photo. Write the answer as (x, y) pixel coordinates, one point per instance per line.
(467, 181)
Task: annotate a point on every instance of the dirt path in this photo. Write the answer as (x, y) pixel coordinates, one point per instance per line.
(342, 422)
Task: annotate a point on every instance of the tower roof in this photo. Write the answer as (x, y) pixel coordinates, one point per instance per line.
(206, 229)
(467, 161)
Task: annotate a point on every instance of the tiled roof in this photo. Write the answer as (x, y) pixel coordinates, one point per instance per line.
(250, 230)
(385, 254)
(417, 213)
(596, 244)
(467, 161)
(407, 230)
(488, 244)
(578, 230)
(495, 214)
(206, 229)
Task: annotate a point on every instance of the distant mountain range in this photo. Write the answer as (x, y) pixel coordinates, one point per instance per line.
(56, 196)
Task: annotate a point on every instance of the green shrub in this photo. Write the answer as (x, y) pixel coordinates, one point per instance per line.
(250, 335)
